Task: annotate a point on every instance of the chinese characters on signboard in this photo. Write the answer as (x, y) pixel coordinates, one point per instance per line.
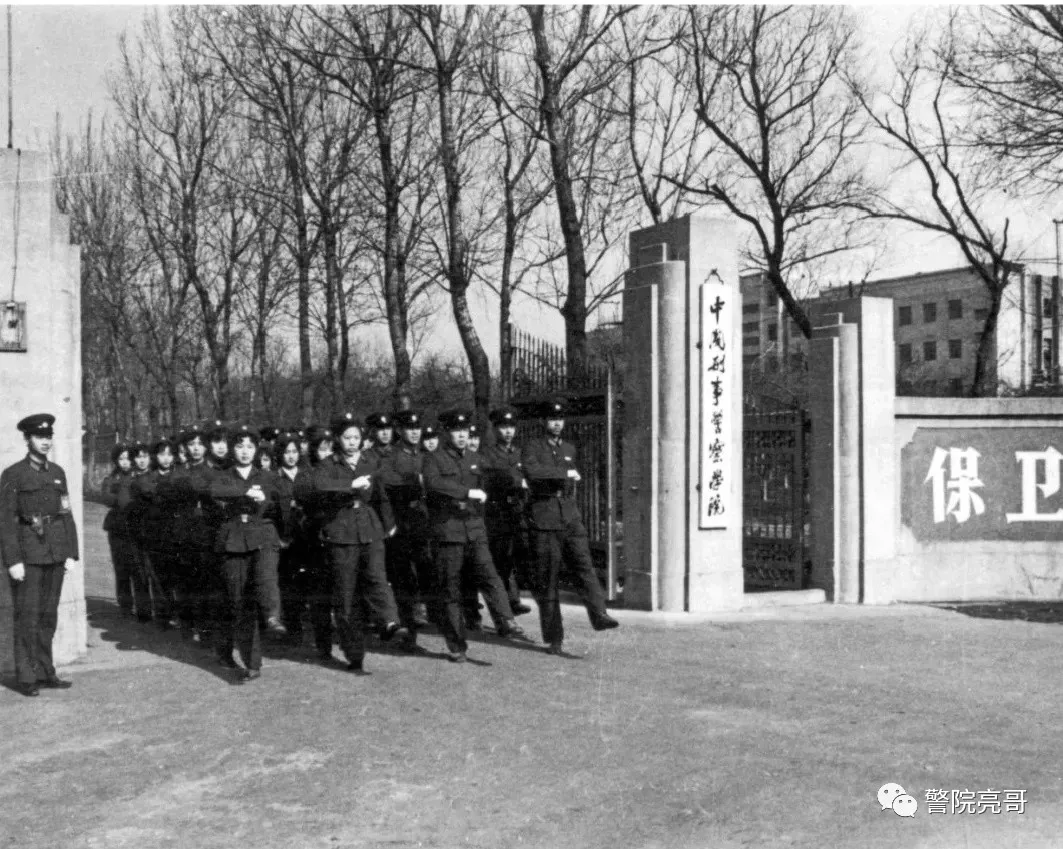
(999, 483)
(718, 393)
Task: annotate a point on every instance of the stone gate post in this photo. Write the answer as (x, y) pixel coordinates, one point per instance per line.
(682, 442)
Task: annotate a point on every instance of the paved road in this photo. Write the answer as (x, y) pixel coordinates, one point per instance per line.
(763, 730)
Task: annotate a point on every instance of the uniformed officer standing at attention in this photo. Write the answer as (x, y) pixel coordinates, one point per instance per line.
(558, 536)
(38, 543)
(453, 482)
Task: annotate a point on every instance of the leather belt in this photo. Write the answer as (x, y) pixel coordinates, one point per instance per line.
(44, 520)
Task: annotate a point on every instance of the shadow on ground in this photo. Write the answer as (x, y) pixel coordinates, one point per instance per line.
(1049, 612)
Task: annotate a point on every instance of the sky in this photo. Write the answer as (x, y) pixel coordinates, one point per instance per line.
(63, 53)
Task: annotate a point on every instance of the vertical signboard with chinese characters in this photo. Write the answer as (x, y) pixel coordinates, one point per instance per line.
(718, 396)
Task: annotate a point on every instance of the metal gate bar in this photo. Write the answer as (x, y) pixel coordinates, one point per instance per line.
(774, 523)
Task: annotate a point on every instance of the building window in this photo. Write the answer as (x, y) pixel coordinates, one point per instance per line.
(955, 349)
(773, 299)
(981, 315)
(751, 327)
(773, 332)
(1046, 308)
(750, 309)
(904, 316)
(905, 352)
(930, 351)
(956, 387)
(956, 308)
(930, 313)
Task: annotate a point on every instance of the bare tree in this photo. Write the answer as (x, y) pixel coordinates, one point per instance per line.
(175, 105)
(575, 60)
(663, 135)
(920, 121)
(525, 186)
(1008, 62)
(769, 84)
(368, 53)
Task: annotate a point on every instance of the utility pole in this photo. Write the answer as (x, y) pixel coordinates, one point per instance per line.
(10, 87)
(1055, 309)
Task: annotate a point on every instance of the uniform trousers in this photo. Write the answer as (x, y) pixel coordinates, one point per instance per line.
(553, 551)
(360, 589)
(35, 601)
(243, 573)
(293, 580)
(305, 581)
(131, 586)
(166, 569)
(202, 593)
(409, 569)
(474, 558)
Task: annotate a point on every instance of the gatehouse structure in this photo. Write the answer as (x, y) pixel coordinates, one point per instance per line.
(40, 356)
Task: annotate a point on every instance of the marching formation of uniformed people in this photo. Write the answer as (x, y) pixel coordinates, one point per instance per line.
(228, 532)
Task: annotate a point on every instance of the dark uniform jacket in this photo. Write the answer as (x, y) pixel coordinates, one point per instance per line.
(293, 511)
(247, 525)
(198, 515)
(156, 511)
(546, 468)
(503, 482)
(348, 516)
(449, 474)
(117, 493)
(401, 475)
(36, 525)
(383, 453)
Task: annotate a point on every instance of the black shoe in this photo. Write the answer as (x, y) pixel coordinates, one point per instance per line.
(252, 674)
(392, 630)
(474, 625)
(324, 656)
(356, 667)
(458, 657)
(54, 682)
(604, 622)
(29, 690)
(275, 627)
(409, 644)
(519, 608)
(227, 662)
(555, 648)
(510, 628)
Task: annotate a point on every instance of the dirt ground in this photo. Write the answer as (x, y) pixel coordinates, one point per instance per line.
(765, 729)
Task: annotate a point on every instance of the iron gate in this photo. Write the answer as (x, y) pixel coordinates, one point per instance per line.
(776, 533)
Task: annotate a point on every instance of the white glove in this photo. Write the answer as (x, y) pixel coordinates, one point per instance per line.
(362, 482)
(477, 495)
(17, 572)
(255, 493)
(70, 565)
(573, 475)
(523, 483)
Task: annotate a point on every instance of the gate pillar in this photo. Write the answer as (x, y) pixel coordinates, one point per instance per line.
(682, 441)
(853, 472)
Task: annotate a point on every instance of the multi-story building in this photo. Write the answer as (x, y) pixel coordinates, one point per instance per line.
(938, 322)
